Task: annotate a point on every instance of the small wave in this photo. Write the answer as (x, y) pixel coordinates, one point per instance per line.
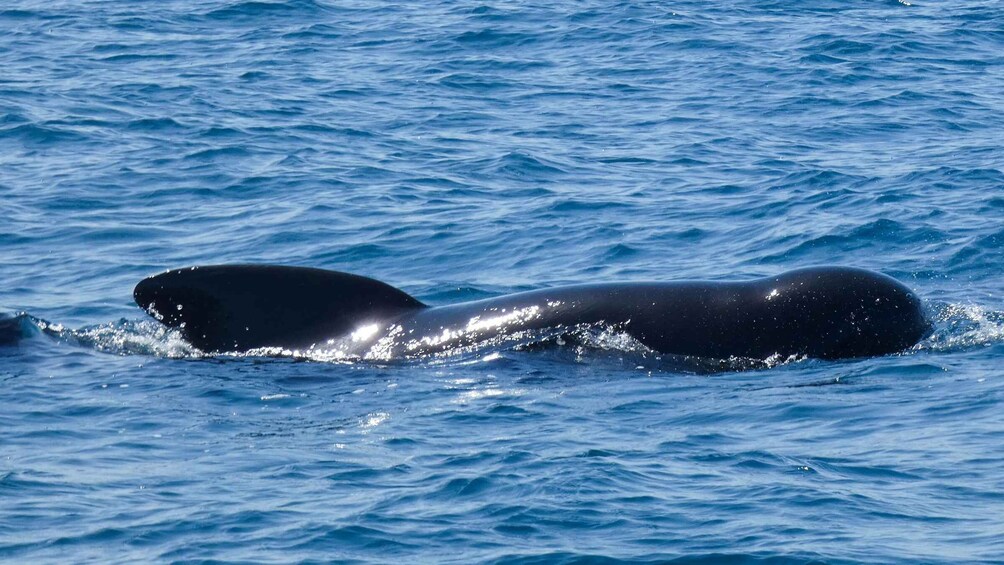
(964, 326)
(217, 153)
(124, 337)
(520, 164)
(492, 38)
(580, 344)
(18, 14)
(956, 327)
(130, 337)
(155, 125)
(256, 9)
(842, 47)
(843, 239)
(40, 134)
(978, 253)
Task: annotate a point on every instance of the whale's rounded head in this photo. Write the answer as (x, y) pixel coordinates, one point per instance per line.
(849, 312)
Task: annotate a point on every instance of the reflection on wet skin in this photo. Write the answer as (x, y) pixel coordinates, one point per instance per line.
(364, 333)
(478, 326)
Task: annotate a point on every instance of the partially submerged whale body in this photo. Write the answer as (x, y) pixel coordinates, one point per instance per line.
(820, 312)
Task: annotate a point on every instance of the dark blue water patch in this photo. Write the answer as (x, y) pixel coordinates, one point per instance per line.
(13, 328)
(18, 14)
(40, 135)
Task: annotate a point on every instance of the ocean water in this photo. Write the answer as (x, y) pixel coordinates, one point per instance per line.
(465, 150)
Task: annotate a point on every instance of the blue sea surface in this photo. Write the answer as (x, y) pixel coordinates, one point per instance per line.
(460, 151)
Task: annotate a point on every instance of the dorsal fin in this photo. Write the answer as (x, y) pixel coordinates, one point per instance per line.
(242, 307)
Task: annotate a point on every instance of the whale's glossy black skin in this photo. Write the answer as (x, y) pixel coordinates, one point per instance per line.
(820, 312)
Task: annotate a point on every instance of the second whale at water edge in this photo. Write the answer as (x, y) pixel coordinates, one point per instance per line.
(819, 312)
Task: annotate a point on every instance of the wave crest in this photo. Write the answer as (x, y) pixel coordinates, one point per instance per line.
(957, 327)
(964, 326)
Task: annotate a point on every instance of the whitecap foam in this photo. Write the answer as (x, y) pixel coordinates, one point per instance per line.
(964, 326)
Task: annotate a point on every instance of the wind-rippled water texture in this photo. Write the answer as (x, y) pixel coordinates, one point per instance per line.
(460, 151)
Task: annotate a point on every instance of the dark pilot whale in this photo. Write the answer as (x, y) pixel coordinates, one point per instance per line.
(820, 312)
